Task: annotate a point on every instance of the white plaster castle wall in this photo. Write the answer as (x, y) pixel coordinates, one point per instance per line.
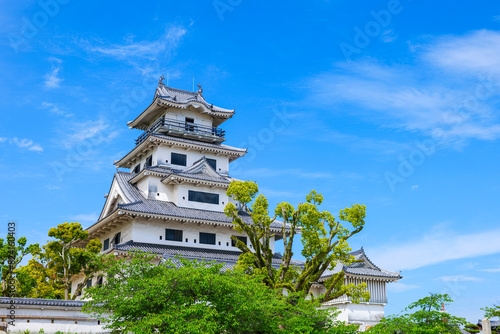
(178, 194)
(182, 193)
(363, 314)
(181, 114)
(52, 319)
(150, 232)
(163, 154)
(126, 233)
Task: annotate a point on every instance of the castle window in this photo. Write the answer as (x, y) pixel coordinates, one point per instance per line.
(189, 124)
(207, 238)
(212, 163)
(99, 280)
(89, 283)
(116, 238)
(178, 159)
(173, 235)
(105, 244)
(202, 197)
(149, 161)
(137, 169)
(242, 239)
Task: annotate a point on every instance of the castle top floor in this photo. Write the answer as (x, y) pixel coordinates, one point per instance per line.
(182, 113)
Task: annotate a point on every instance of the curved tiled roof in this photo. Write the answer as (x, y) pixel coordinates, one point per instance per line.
(180, 96)
(169, 251)
(200, 143)
(42, 302)
(138, 203)
(365, 267)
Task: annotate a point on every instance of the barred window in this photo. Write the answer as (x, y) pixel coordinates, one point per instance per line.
(212, 163)
(207, 238)
(149, 161)
(178, 159)
(173, 235)
(105, 245)
(202, 197)
(242, 239)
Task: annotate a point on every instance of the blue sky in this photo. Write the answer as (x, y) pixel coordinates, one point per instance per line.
(392, 104)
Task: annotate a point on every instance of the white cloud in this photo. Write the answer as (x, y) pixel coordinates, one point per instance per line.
(85, 218)
(460, 278)
(266, 172)
(52, 79)
(389, 36)
(436, 247)
(93, 133)
(150, 50)
(54, 109)
(25, 144)
(401, 287)
(475, 52)
(491, 270)
(409, 97)
(414, 187)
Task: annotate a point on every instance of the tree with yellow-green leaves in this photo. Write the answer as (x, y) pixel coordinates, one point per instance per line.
(324, 241)
(15, 250)
(49, 273)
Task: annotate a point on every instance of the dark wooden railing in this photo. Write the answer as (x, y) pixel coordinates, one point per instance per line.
(183, 129)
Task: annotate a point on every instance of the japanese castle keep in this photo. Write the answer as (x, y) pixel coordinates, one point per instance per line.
(171, 199)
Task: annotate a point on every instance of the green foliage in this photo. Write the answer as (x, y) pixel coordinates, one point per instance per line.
(491, 312)
(182, 296)
(48, 274)
(324, 241)
(426, 318)
(471, 328)
(18, 252)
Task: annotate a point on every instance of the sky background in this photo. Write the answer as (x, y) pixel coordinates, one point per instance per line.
(391, 104)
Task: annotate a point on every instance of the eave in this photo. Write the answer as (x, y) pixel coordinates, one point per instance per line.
(121, 216)
(159, 105)
(153, 141)
(176, 179)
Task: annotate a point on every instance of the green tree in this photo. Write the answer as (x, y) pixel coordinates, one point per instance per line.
(90, 263)
(324, 241)
(424, 317)
(491, 312)
(471, 328)
(37, 280)
(48, 274)
(181, 296)
(17, 253)
(66, 259)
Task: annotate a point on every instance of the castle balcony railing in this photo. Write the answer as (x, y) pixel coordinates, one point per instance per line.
(183, 129)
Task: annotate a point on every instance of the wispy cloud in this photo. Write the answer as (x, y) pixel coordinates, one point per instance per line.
(389, 36)
(94, 132)
(267, 172)
(491, 270)
(52, 78)
(24, 144)
(130, 50)
(414, 187)
(436, 247)
(85, 218)
(450, 92)
(476, 52)
(460, 278)
(54, 109)
(401, 287)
